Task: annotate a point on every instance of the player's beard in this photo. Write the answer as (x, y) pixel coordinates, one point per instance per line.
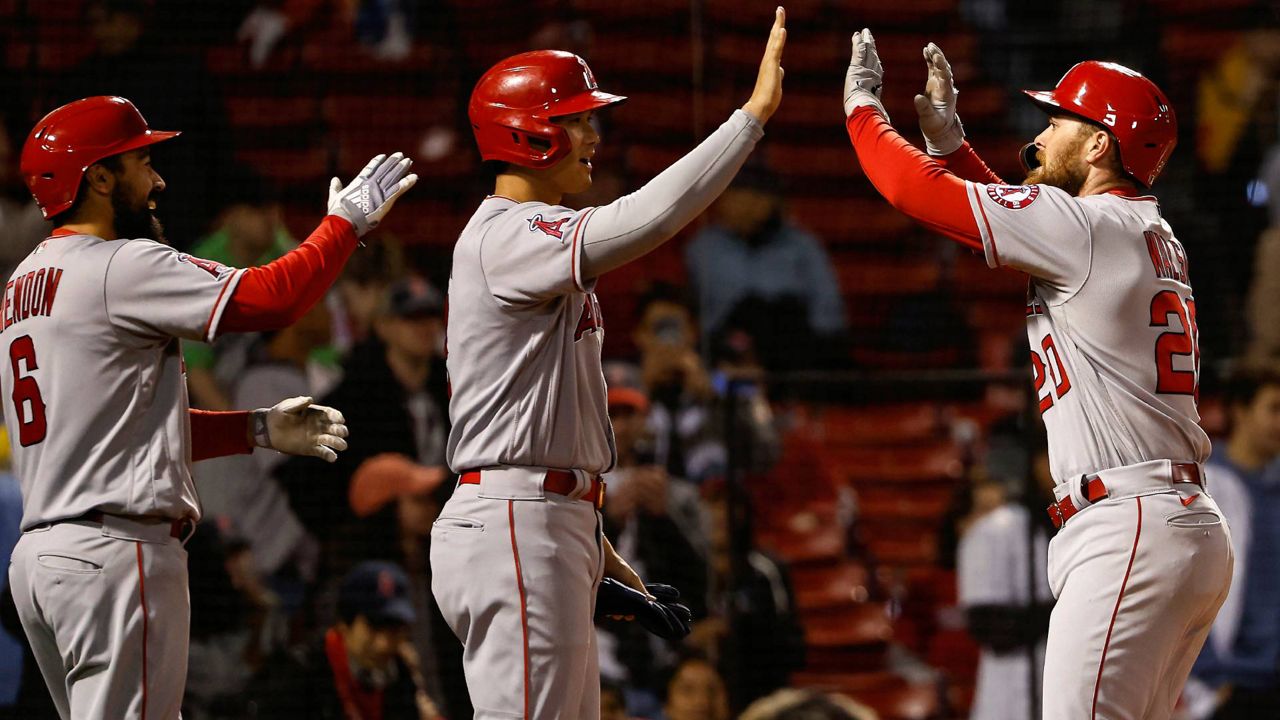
(1064, 170)
(135, 222)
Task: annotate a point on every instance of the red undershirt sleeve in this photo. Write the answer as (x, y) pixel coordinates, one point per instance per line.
(217, 434)
(276, 295)
(910, 180)
(965, 164)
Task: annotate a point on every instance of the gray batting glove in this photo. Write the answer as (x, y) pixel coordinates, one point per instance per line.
(297, 427)
(865, 78)
(943, 133)
(370, 196)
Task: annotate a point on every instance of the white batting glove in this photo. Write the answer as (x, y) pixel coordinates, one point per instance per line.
(297, 427)
(865, 78)
(370, 196)
(943, 133)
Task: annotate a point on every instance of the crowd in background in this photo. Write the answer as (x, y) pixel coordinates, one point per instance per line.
(310, 583)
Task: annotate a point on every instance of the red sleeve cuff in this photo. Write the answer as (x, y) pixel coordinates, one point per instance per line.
(218, 434)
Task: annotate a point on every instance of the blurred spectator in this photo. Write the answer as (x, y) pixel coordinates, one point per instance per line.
(997, 568)
(242, 486)
(655, 520)
(613, 701)
(363, 669)
(24, 226)
(235, 623)
(249, 232)
(415, 494)
(753, 626)
(361, 288)
(752, 252)
(377, 500)
(682, 418)
(807, 705)
(393, 395)
(168, 83)
(1237, 674)
(11, 648)
(1264, 289)
(696, 692)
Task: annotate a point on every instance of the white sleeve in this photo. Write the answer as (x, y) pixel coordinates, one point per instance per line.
(1038, 229)
(534, 253)
(154, 291)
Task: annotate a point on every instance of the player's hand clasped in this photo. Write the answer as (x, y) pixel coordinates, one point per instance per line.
(662, 614)
(370, 196)
(865, 77)
(943, 133)
(768, 90)
(297, 427)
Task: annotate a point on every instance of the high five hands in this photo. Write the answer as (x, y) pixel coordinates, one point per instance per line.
(768, 91)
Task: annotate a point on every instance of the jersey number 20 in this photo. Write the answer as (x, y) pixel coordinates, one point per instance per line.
(31, 430)
(1183, 342)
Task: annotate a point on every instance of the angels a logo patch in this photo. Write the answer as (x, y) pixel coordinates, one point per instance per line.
(548, 227)
(1014, 197)
(215, 269)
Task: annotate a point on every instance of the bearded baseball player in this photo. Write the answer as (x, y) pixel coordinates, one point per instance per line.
(96, 399)
(1142, 559)
(517, 554)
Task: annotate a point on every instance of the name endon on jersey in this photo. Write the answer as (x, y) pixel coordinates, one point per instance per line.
(30, 295)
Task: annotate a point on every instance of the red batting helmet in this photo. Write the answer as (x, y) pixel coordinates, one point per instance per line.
(513, 104)
(1127, 104)
(70, 139)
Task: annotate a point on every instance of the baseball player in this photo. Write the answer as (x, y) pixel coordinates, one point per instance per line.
(1143, 559)
(96, 400)
(517, 553)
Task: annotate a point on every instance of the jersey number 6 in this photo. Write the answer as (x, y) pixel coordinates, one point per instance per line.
(25, 389)
(1174, 343)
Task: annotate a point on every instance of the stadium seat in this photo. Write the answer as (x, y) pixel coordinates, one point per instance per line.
(896, 424)
(850, 220)
(861, 624)
(841, 585)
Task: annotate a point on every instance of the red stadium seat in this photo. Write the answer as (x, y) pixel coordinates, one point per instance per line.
(934, 462)
(836, 586)
(850, 220)
(880, 424)
(876, 275)
(925, 501)
(862, 624)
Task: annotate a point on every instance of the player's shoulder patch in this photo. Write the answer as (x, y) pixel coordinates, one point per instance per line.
(216, 269)
(1014, 197)
(547, 227)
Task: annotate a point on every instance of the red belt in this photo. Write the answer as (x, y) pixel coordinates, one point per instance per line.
(1094, 490)
(560, 482)
(178, 529)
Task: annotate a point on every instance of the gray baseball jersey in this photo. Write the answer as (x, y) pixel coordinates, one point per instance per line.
(97, 397)
(524, 340)
(1111, 322)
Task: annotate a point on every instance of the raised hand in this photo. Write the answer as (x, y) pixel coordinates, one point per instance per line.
(865, 77)
(768, 91)
(370, 196)
(939, 123)
(297, 427)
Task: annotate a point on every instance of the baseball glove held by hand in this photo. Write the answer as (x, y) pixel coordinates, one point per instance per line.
(663, 615)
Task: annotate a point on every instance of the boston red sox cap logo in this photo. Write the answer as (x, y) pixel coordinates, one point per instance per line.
(1014, 197)
(549, 227)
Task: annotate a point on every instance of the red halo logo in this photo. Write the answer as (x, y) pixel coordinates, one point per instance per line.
(1014, 197)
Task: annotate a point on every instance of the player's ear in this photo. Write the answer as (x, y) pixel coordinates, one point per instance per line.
(1099, 144)
(100, 178)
